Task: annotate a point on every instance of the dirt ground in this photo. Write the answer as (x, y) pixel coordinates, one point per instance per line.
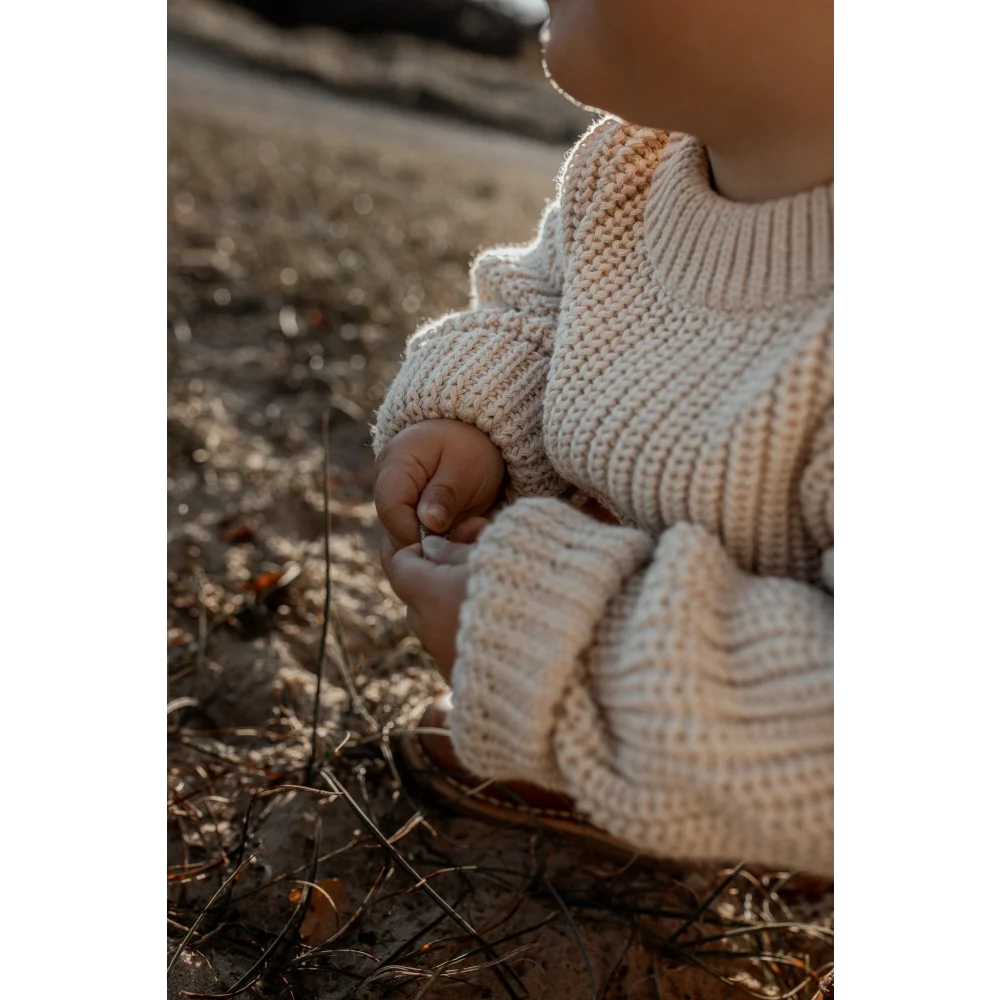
(307, 237)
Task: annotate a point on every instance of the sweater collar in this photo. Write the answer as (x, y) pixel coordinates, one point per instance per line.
(724, 254)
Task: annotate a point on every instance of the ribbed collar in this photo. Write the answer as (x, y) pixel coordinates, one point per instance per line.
(725, 254)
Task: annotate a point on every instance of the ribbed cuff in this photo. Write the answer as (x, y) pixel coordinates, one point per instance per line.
(483, 374)
(541, 578)
(705, 727)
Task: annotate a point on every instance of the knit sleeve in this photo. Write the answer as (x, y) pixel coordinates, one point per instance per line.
(488, 365)
(685, 705)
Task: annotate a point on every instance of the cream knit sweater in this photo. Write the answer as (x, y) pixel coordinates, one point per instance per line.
(671, 354)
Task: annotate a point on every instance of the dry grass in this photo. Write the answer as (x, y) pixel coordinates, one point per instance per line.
(297, 266)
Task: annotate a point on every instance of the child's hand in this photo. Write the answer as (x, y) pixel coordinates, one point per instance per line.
(433, 589)
(443, 474)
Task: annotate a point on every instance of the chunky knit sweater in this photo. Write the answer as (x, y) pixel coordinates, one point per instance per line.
(669, 353)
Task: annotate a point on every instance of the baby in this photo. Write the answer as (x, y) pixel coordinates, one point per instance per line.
(662, 352)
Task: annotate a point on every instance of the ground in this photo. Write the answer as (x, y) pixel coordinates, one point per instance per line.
(308, 234)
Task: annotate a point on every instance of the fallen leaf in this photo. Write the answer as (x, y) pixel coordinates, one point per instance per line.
(328, 907)
(262, 583)
(237, 534)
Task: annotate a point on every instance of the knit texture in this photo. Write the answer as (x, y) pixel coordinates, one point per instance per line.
(670, 354)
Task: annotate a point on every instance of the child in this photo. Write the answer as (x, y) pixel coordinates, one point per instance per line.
(665, 346)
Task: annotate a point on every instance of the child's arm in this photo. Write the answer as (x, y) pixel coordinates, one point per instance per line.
(487, 366)
(685, 705)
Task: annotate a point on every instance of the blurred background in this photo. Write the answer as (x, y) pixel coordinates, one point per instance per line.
(333, 166)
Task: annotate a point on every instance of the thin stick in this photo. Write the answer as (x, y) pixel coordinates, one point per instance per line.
(259, 794)
(228, 760)
(503, 940)
(357, 703)
(295, 920)
(621, 958)
(430, 984)
(624, 910)
(742, 987)
(350, 845)
(814, 931)
(403, 950)
(202, 624)
(281, 958)
(575, 932)
(324, 948)
(327, 598)
(427, 887)
(218, 893)
(330, 614)
(394, 733)
(709, 900)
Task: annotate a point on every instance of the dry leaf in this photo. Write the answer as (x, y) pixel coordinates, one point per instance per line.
(264, 583)
(328, 907)
(237, 534)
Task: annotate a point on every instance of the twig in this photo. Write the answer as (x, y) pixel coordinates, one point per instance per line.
(394, 733)
(327, 597)
(492, 872)
(443, 970)
(759, 956)
(762, 913)
(413, 973)
(656, 976)
(259, 794)
(623, 909)
(621, 958)
(503, 940)
(324, 947)
(743, 987)
(282, 956)
(429, 985)
(427, 887)
(574, 930)
(357, 702)
(330, 613)
(808, 930)
(202, 623)
(229, 760)
(771, 894)
(334, 969)
(540, 874)
(278, 879)
(295, 920)
(201, 916)
(709, 900)
(396, 954)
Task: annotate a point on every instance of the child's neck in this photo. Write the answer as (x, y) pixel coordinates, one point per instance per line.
(763, 172)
